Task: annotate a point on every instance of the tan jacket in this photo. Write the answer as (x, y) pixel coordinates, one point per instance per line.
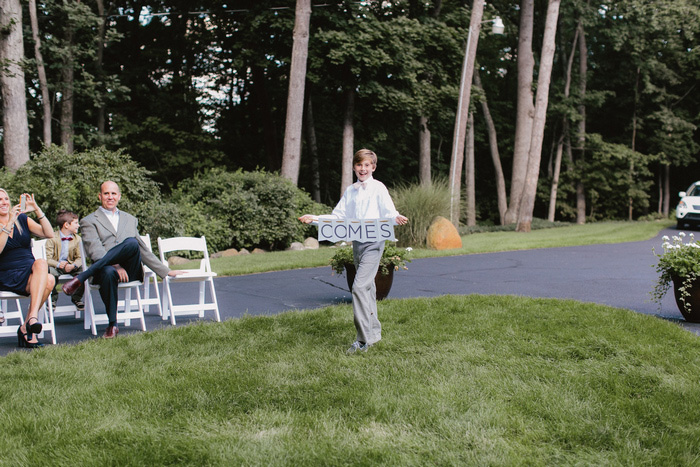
(53, 250)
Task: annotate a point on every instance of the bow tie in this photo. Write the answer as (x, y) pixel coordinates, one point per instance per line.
(63, 239)
(359, 185)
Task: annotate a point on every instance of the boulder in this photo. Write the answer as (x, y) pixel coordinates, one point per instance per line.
(442, 235)
(311, 244)
(225, 253)
(175, 260)
(257, 251)
(243, 251)
(296, 246)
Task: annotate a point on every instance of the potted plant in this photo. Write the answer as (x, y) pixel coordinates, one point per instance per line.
(392, 260)
(679, 264)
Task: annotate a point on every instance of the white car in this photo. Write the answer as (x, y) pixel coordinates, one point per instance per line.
(688, 209)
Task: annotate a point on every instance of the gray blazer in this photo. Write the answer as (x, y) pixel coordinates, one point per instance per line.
(99, 237)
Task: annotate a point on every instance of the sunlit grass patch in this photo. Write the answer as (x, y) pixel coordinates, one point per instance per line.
(466, 379)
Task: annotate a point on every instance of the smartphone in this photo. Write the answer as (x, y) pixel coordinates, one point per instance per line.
(22, 203)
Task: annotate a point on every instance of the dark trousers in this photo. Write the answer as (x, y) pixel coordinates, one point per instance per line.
(56, 273)
(128, 255)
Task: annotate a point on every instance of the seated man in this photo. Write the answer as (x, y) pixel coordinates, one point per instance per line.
(112, 241)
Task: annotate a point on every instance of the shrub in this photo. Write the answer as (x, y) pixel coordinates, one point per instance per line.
(421, 204)
(72, 181)
(392, 258)
(244, 209)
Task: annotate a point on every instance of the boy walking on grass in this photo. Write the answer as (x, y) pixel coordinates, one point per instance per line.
(365, 199)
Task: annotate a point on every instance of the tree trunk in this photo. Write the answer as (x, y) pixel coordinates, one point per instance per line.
(14, 101)
(525, 112)
(291, 152)
(41, 71)
(527, 203)
(101, 34)
(565, 130)
(67, 78)
(313, 149)
(348, 141)
(667, 189)
(469, 173)
(462, 114)
(555, 178)
(424, 154)
(583, 82)
(495, 156)
(634, 140)
(264, 115)
(424, 141)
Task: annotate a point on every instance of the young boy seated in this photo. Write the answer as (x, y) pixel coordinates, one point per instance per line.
(63, 254)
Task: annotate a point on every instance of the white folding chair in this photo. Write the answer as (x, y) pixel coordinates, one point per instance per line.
(148, 276)
(125, 314)
(203, 275)
(63, 310)
(6, 329)
(45, 316)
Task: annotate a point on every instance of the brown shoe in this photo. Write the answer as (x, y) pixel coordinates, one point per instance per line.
(111, 332)
(70, 287)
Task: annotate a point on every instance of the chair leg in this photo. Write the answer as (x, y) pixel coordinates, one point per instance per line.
(127, 306)
(155, 286)
(89, 311)
(146, 293)
(202, 297)
(141, 309)
(168, 305)
(213, 298)
(164, 296)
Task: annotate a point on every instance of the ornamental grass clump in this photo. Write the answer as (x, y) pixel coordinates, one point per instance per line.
(393, 258)
(679, 260)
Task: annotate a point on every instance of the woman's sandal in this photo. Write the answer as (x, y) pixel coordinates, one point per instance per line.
(23, 339)
(34, 328)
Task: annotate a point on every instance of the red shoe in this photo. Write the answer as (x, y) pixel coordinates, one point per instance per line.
(111, 332)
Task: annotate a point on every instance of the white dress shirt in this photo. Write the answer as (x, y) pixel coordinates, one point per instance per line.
(112, 216)
(364, 200)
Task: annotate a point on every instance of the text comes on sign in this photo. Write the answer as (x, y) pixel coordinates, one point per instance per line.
(356, 230)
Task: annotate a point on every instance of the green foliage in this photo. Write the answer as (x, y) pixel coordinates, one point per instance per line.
(244, 209)
(613, 175)
(72, 181)
(172, 154)
(392, 258)
(421, 204)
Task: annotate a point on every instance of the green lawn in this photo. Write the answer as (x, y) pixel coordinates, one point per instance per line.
(587, 234)
(468, 380)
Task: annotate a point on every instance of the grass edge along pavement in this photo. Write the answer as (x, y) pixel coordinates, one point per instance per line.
(489, 380)
(484, 242)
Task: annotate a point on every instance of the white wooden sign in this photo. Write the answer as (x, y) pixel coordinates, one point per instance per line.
(356, 230)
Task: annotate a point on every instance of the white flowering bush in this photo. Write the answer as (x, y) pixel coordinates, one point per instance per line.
(680, 259)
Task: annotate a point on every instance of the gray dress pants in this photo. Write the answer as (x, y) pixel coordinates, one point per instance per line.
(364, 291)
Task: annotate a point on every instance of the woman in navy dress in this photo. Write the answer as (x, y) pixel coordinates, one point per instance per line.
(19, 271)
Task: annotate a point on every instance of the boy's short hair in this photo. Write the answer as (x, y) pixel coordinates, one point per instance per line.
(363, 154)
(64, 215)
